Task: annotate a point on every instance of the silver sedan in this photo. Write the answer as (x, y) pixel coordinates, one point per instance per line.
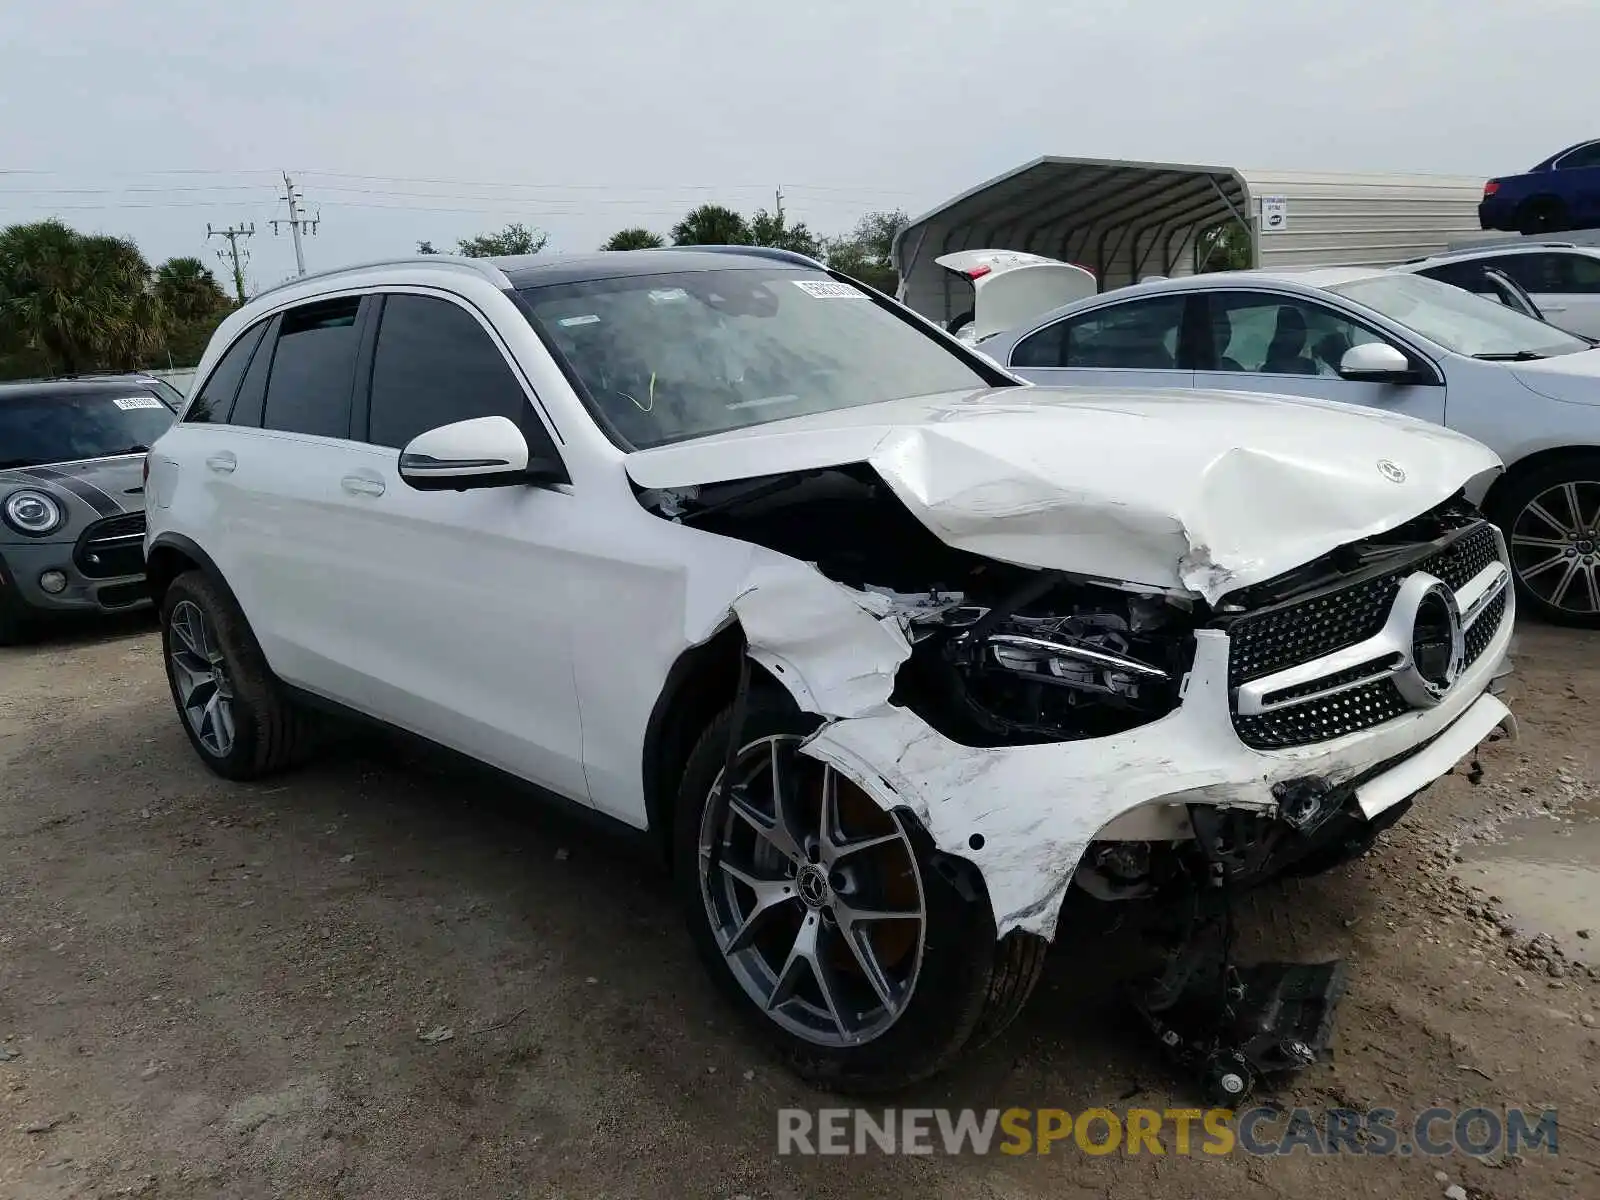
(1398, 342)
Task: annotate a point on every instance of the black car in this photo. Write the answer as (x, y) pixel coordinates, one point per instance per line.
(72, 495)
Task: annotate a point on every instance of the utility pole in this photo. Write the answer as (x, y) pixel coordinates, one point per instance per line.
(233, 234)
(296, 222)
(780, 206)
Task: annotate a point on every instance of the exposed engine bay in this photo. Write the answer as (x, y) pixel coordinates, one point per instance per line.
(1001, 655)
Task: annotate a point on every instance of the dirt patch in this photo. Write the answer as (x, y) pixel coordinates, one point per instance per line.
(213, 990)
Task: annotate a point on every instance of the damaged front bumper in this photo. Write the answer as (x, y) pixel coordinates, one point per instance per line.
(1024, 816)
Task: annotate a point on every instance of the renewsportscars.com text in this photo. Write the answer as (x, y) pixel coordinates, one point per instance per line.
(1211, 1132)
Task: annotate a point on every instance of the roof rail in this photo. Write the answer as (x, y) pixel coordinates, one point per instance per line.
(772, 252)
(477, 266)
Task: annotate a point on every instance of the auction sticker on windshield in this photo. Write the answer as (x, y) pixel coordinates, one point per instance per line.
(828, 289)
(127, 403)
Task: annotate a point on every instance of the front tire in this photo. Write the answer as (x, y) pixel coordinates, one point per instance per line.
(1551, 518)
(866, 959)
(231, 706)
(15, 628)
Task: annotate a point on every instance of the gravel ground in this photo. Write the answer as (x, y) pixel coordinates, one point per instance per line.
(218, 990)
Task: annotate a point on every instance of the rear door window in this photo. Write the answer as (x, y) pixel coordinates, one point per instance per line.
(313, 369)
(1141, 335)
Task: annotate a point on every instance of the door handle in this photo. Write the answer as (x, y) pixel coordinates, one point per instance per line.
(222, 464)
(1551, 307)
(361, 485)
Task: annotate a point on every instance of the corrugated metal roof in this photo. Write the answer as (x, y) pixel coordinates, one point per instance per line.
(1127, 220)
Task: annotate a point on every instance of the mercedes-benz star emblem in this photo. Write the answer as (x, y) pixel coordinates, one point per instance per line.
(812, 885)
(1391, 471)
(1437, 653)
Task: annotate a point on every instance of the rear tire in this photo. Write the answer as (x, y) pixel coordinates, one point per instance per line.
(963, 988)
(1550, 515)
(1545, 214)
(231, 706)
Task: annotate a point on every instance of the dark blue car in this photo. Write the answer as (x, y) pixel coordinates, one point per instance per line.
(1562, 192)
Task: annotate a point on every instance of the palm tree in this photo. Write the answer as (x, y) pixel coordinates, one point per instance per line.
(81, 302)
(711, 225)
(188, 290)
(637, 238)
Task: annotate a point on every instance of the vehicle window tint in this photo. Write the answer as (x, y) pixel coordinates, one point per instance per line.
(1469, 275)
(435, 364)
(313, 368)
(214, 404)
(1583, 156)
(1581, 273)
(1534, 272)
(1279, 335)
(1139, 335)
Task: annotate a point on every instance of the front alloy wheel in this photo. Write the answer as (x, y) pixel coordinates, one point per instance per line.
(863, 954)
(813, 895)
(1554, 539)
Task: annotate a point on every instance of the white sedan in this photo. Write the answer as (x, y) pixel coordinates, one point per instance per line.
(1392, 341)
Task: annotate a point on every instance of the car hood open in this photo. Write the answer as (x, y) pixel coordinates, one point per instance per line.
(1192, 492)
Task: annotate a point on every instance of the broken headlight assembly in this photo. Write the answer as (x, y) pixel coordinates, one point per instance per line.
(1051, 662)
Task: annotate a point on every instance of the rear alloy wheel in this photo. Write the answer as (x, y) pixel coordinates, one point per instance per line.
(1551, 520)
(868, 959)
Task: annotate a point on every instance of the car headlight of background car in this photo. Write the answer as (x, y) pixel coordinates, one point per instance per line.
(33, 513)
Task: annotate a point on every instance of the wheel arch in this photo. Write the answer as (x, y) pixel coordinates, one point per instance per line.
(1537, 461)
(170, 555)
(702, 682)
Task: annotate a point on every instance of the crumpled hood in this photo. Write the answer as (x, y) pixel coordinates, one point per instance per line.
(1572, 378)
(1183, 491)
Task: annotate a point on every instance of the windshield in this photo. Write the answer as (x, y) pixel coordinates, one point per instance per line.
(64, 426)
(681, 355)
(1460, 320)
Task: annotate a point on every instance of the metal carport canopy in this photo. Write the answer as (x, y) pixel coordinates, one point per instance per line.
(1126, 220)
(1099, 213)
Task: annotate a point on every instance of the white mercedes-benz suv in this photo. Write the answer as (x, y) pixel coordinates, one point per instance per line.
(885, 648)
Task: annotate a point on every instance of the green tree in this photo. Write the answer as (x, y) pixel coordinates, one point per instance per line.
(636, 238)
(188, 290)
(711, 225)
(771, 229)
(1224, 247)
(513, 239)
(426, 248)
(865, 252)
(71, 302)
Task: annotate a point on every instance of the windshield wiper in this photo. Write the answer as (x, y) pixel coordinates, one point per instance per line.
(134, 449)
(1512, 356)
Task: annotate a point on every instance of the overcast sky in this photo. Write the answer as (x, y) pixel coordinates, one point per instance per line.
(404, 120)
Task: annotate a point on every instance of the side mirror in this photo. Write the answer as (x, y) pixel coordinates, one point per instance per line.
(1375, 362)
(482, 452)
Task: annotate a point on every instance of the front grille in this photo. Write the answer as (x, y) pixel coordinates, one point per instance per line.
(112, 547)
(1325, 719)
(1302, 630)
